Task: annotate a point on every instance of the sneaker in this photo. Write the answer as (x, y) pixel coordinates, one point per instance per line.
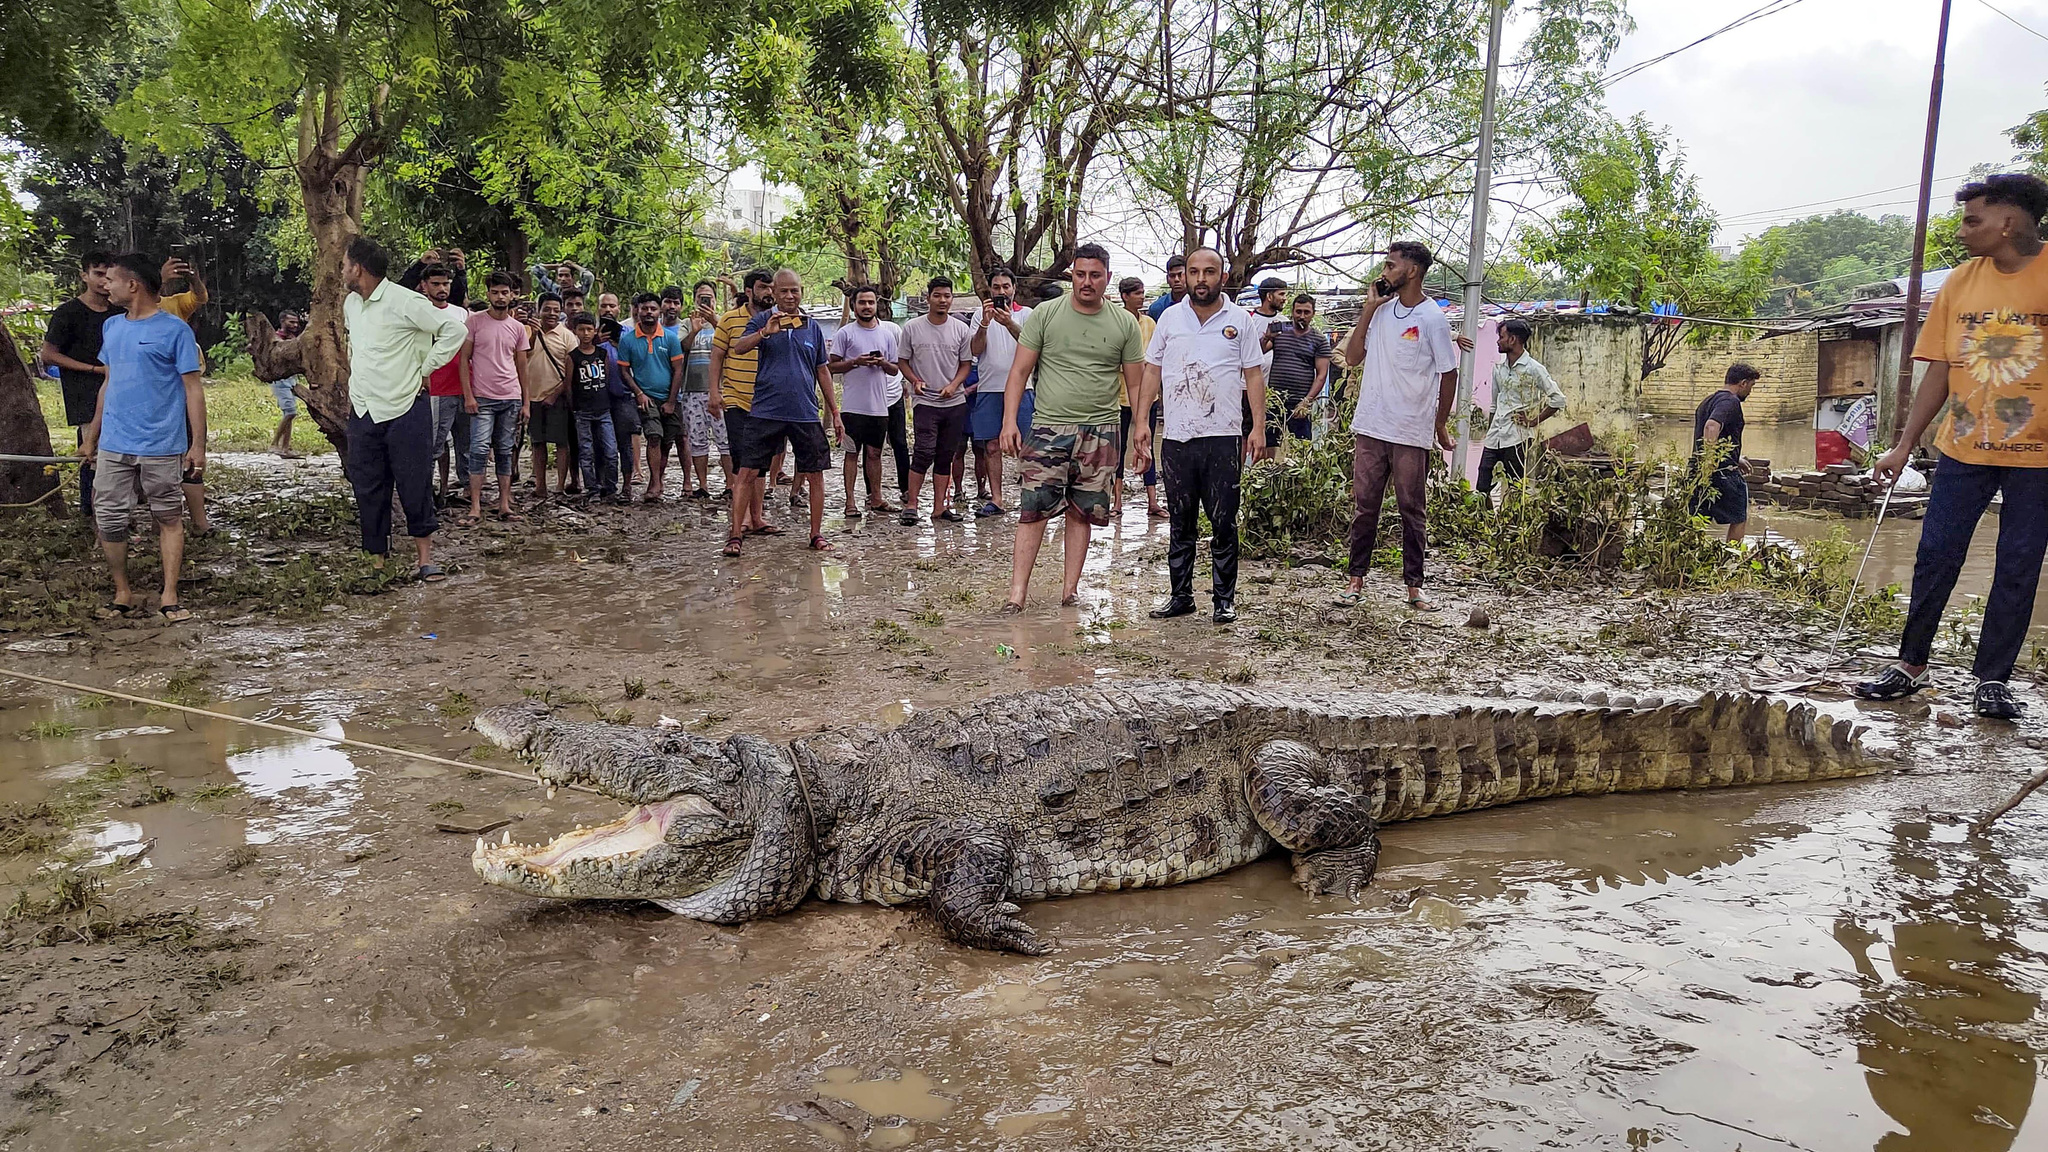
(1994, 702)
(1226, 614)
(1895, 684)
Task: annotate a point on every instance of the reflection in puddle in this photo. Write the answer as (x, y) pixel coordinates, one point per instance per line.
(913, 1096)
(324, 772)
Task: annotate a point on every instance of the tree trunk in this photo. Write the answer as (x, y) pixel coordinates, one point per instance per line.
(22, 430)
(273, 358)
(519, 257)
(332, 188)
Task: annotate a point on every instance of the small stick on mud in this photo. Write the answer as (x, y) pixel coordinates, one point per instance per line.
(2012, 802)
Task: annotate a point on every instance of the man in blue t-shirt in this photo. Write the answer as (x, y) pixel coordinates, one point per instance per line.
(791, 380)
(149, 428)
(651, 359)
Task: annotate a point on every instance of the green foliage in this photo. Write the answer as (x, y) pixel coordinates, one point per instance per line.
(1638, 233)
(47, 54)
(1290, 135)
(1827, 257)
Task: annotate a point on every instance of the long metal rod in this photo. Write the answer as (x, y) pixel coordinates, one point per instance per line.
(523, 777)
(1475, 256)
(1904, 391)
(1849, 599)
(11, 458)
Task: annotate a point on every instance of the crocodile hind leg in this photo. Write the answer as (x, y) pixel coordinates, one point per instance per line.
(1328, 827)
(969, 895)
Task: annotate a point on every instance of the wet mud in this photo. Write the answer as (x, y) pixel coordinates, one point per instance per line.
(1837, 966)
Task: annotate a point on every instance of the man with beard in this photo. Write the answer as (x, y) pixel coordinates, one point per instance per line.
(733, 374)
(1410, 376)
(444, 385)
(72, 343)
(791, 382)
(864, 354)
(551, 418)
(1204, 361)
(994, 347)
(651, 357)
(1080, 346)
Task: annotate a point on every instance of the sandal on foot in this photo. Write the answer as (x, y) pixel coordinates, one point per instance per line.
(1994, 701)
(950, 516)
(853, 512)
(430, 574)
(1157, 513)
(732, 545)
(1349, 598)
(114, 610)
(1418, 604)
(820, 544)
(174, 613)
(1895, 684)
(764, 530)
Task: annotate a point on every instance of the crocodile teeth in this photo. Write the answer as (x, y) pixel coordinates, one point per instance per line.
(551, 791)
(507, 839)
(479, 844)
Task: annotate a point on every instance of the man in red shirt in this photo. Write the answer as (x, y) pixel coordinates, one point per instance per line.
(444, 388)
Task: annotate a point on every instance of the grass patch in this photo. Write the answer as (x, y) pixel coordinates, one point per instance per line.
(51, 730)
(890, 636)
(445, 807)
(208, 793)
(240, 416)
(930, 617)
(93, 702)
(154, 794)
(187, 686)
(458, 703)
(635, 688)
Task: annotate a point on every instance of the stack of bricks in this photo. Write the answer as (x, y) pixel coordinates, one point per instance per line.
(1843, 489)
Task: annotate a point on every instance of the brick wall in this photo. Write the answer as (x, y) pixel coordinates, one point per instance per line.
(1790, 364)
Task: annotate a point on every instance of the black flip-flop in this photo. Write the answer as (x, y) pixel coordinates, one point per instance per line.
(116, 611)
(430, 574)
(174, 613)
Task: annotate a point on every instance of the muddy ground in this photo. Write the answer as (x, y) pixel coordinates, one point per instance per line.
(287, 953)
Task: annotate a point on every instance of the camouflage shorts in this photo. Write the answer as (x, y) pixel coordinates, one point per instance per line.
(1068, 465)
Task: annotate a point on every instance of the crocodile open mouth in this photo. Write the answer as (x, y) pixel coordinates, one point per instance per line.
(670, 848)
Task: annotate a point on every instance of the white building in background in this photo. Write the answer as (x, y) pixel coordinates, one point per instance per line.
(747, 204)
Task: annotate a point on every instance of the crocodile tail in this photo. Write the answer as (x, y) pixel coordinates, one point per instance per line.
(1430, 764)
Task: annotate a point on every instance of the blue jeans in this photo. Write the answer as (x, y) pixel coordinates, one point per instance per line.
(1956, 502)
(451, 421)
(493, 436)
(599, 450)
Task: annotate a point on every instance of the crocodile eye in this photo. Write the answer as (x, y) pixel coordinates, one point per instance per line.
(1039, 745)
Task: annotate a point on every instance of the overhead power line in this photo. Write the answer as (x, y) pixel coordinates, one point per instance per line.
(1770, 9)
(1740, 216)
(2035, 32)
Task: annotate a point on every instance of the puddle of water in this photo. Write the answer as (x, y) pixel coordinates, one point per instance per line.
(912, 1096)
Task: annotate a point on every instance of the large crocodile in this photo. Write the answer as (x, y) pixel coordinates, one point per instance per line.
(1071, 790)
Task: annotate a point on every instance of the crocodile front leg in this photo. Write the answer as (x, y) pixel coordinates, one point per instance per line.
(970, 883)
(1328, 827)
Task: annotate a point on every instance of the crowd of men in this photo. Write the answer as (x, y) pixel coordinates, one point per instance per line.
(1074, 388)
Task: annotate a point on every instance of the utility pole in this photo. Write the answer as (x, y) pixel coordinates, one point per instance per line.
(1475, 258)
(1904, 393)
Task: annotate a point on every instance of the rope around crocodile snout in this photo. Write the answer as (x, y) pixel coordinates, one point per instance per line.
(523, 777)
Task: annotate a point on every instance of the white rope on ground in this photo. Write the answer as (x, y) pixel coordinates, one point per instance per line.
(523, 777)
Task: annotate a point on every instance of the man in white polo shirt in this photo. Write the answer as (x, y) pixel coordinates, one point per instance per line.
(1410, 375)
(1204, 357)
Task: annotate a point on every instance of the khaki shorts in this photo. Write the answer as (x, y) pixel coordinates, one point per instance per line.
(1067, 466)
(114, 490)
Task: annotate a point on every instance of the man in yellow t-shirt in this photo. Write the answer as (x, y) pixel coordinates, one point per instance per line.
(732, 395)
(1987, 380)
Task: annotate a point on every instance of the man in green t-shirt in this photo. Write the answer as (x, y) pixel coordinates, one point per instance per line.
(1081, 348)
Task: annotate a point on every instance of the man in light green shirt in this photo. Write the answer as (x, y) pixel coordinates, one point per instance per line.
(1524, 396)
(1083, 350)
(396, 339)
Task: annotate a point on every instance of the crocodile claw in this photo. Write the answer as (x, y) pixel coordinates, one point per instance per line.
(1338, 871)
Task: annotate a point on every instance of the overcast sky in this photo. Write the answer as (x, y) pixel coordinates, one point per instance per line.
(1827, 100)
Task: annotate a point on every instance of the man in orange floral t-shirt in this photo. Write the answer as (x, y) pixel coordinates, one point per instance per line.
(1987, 381)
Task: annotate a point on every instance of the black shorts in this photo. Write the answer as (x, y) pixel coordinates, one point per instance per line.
(761, 440)
(864, 431)
(941, 434)
(550, 424)
(625, 416)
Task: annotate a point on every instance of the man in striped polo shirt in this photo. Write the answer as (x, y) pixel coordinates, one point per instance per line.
(734, 397)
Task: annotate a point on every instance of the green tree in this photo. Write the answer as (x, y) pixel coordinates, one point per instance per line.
(1827, 257)
(1638, 234)
(1310, 133)
(48, 52)
(334, 90)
